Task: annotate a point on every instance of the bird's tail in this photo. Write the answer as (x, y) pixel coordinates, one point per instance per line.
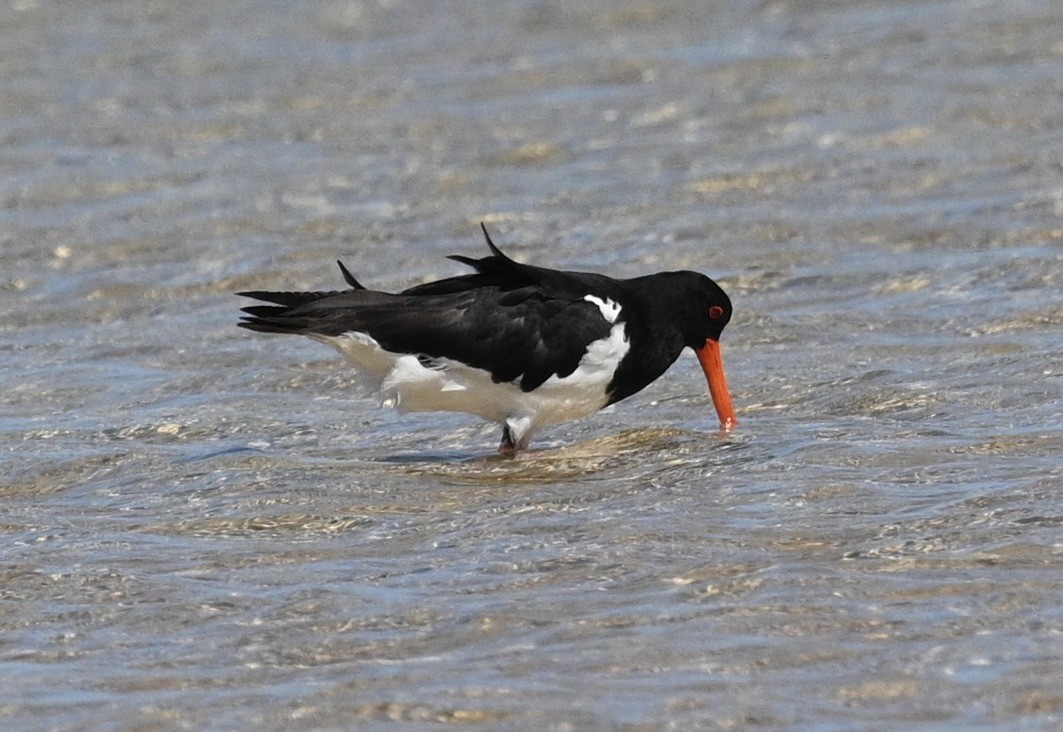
(281, 317)
(291, 312)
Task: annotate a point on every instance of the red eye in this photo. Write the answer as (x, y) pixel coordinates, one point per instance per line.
(715, 312)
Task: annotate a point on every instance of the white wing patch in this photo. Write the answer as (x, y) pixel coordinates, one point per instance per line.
(610, 310)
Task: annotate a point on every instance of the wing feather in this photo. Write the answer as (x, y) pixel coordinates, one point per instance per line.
(514, 335)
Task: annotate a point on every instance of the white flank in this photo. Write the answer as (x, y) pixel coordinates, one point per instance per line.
(450, 386)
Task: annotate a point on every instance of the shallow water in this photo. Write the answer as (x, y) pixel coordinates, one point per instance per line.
(205, 528)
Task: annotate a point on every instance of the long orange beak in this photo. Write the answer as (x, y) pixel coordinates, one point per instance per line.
(711, 359)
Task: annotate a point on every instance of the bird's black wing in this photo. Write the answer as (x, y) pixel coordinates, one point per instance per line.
(514, 334)
(516, 321)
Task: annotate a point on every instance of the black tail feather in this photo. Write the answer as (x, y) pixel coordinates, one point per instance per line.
(311, 313)
(271, 318)
(287, 299)
(294, 299)
(278, 318)
(264, 311)
(266, 325)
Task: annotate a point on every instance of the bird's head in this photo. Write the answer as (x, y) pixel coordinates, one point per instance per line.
(704, 310)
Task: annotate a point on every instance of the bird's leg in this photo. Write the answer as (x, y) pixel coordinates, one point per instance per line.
(516, 434)
(508, 447)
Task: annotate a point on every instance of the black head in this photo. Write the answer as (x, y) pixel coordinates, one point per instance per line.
(697, 305)
(691, 311)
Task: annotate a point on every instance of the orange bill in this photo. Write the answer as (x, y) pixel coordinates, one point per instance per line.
(711, 359)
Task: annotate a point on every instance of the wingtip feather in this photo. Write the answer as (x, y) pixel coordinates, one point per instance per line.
(349, 278)
(490, 244)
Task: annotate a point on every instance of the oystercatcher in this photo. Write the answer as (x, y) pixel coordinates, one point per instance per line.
(519, 345)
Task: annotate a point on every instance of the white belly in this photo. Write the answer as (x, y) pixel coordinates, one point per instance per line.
(450, 386)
